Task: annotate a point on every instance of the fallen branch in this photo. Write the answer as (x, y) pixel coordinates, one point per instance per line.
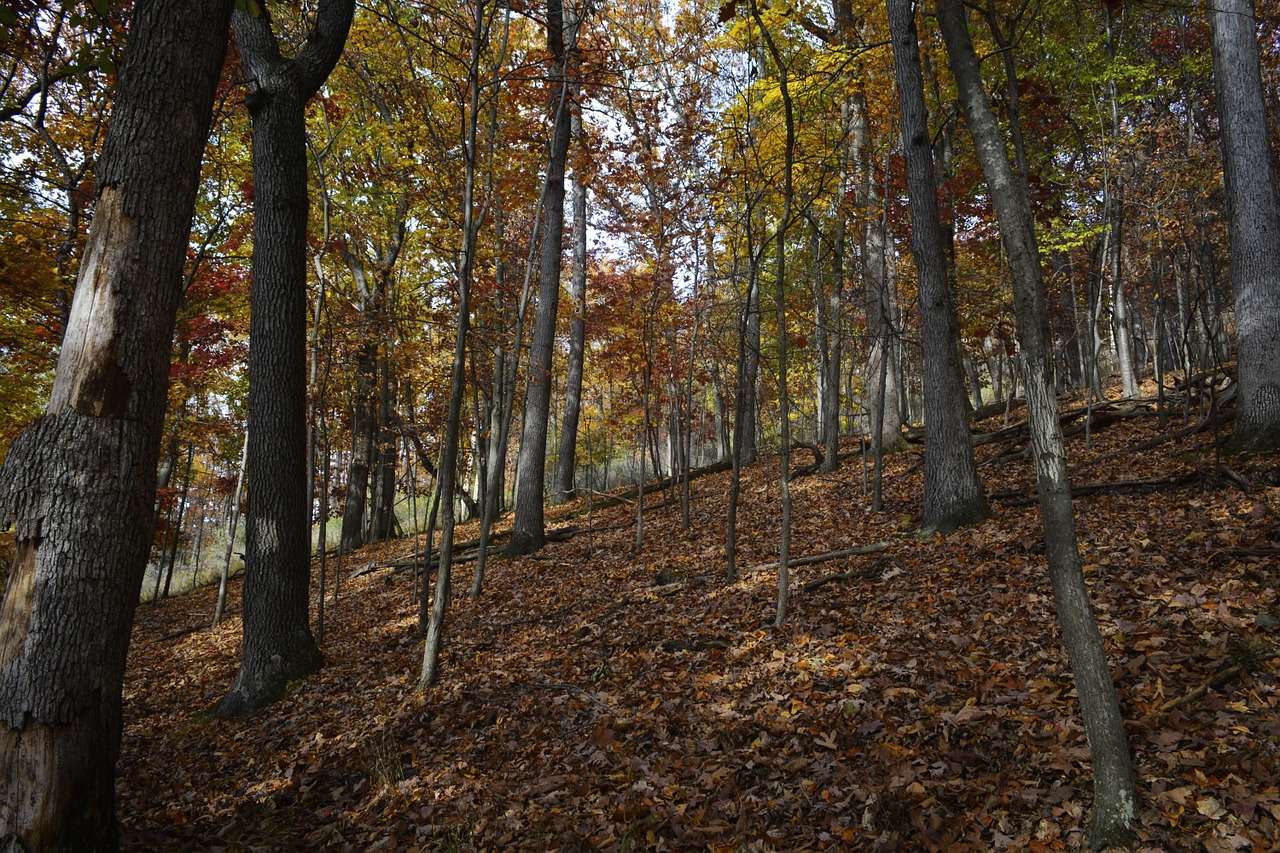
(573, 688)
(880, 571)
(823, 558)
(1019, 497)
(1219, 679)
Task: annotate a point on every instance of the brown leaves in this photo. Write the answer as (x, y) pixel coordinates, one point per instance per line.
(583, 707)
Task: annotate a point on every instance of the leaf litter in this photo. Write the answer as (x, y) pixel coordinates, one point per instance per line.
(584, 705)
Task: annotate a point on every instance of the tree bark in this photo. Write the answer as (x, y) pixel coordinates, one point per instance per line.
(278, 646)
(953, 495)
(528, 532)
(1115, 797)
(564, 488)
(881, 336)
(1253, 212)
(362, 429)
(78, 485)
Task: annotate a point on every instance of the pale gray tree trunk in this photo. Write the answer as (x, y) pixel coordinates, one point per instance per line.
(78, 485)
(563, 488)
(1115, 797)
(1248, 170)
(528, 531)
(881, 397)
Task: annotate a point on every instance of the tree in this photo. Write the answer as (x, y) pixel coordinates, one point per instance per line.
(278, 646)
(1253, 210)
(1115, 799)
(564, 487)
(953, 495)
(79, 483)
(528, 532)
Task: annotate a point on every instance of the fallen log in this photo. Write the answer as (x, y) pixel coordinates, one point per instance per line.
(1219, 679)
(823, 558)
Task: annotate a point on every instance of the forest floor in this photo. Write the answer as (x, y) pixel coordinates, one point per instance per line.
(599, 697)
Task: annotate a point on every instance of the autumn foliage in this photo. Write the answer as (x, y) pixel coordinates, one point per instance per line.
(918, 698)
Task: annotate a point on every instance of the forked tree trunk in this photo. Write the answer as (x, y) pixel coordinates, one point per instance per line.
(78, 485)
(1115, 797)
(278, 646)
(953, 496)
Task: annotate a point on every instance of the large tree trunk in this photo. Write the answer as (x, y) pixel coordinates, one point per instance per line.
(1248, 170)
(953, 494)
(79, 484)
(278, 646)
(528, 531)
(1115, 798)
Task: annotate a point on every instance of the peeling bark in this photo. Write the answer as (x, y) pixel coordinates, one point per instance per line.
(78, 484)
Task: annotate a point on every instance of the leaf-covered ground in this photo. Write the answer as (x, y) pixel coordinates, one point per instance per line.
(597, 697)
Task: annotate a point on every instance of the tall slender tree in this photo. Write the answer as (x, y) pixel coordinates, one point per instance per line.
(78, 484)
(1115, 798)
(528, 531)
(278, 646)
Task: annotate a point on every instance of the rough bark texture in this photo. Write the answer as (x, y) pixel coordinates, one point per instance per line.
(1248, 170)
(953, 495)
(79, 483)
(278, 646)
(1115, 797)
(528, 532)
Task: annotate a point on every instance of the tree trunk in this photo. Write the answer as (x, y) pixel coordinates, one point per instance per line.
(1115, 798)
(528, 531)
(362, 431)
(1253, 220)
(780, 308)
(382, 497)
(78, 485)
(457, 377)
(881, 339)
(564, 489)
(953, 496)
(278, 646)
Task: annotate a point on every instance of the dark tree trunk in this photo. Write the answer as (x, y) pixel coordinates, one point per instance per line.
(953, 496)
(528, 531)
(382, 499)
(1248, 170)
(278, 646)
(1115, 799)
(362, 430)
(78, 485)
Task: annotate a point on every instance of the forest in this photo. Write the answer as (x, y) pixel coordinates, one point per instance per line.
(731, 426)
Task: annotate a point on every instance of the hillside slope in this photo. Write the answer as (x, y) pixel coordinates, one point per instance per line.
(917, 698)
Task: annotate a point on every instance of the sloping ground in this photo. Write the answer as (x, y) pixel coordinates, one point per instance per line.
(921, 704)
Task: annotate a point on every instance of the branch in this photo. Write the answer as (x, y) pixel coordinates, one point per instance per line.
(823, 558)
